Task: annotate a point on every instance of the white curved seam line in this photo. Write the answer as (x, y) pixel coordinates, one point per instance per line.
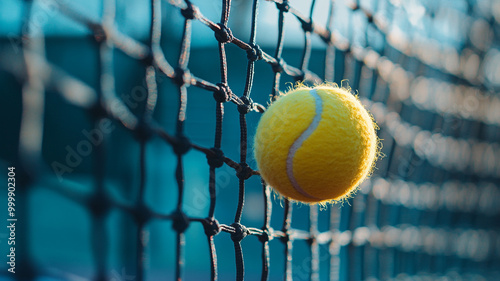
(300, 140)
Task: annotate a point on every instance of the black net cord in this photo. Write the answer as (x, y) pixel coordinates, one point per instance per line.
(151, 77)
(334, 246)
(277, 54)
(287, 240)
(240, 267)
(30, 157)
(143, 133)
(212, 189)
(307, 27)
(223, 38)
(223, 63)
(141, 220)
(210, 219)
(219, 115)
(243, 154)
(213, 258)
(267, 231)
(265, 261)
(180, 235)
(251, 60)
(212, 192)
(330, 49)
(180, 224)
(98, 201)
(313, 243)
(98, 205)
(180, 241)
(358, 64)
(185, 46)
(181, 116)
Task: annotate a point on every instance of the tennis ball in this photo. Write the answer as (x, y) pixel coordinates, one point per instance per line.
(316, 145)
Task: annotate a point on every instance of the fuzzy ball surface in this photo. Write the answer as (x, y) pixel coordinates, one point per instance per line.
(316, 145)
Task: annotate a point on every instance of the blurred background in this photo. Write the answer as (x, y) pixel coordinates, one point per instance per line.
(430, 77)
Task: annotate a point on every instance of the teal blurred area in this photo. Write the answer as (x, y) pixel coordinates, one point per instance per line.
(61, 230)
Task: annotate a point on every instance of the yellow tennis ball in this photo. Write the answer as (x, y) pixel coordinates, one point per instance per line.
(316, 144)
